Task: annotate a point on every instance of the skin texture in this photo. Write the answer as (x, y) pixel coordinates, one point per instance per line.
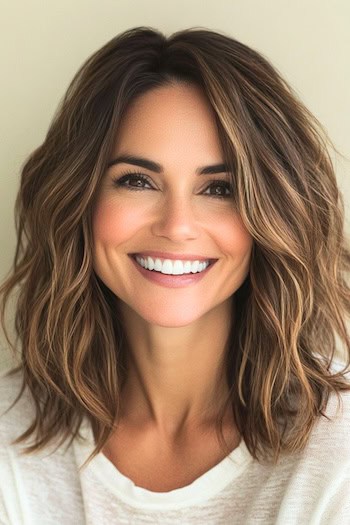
(176, 336)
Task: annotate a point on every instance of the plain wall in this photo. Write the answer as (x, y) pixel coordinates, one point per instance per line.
(43, 43)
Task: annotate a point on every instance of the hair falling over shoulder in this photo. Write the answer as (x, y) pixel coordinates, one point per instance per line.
(288, 312)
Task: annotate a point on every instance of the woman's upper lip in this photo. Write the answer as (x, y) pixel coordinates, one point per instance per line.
(174, 256)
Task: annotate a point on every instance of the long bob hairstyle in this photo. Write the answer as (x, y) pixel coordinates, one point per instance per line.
(289, 310)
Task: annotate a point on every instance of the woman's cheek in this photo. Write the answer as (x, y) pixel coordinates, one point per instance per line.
(116, 222)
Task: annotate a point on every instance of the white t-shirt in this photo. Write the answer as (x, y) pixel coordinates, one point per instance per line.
(308, 488)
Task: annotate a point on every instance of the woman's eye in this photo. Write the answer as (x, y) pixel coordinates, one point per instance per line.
(134, 178)
(222, 185)
(138, 180)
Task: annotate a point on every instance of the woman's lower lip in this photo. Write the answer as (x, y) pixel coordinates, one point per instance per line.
(171, 281)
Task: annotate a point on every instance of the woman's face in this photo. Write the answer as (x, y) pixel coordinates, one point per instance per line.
(174, 211)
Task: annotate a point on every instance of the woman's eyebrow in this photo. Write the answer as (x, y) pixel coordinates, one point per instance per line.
(154, 166)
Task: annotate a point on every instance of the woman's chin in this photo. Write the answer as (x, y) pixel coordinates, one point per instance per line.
(171, 321)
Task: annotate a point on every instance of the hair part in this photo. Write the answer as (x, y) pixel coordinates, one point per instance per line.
(288, 311)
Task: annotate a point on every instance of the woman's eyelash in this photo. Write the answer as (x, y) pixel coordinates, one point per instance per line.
(134, 176)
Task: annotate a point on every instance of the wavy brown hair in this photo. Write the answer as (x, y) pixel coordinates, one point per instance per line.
(289, 310)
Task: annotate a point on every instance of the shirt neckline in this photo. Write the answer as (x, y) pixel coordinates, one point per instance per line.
(204, 487)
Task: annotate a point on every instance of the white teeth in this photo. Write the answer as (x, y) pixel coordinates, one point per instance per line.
(187, 267)
(171, 267)
(149, 263)
(195, 266)
(157, 265)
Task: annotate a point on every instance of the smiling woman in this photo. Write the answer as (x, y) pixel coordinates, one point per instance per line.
(178, 314)
(172, 213)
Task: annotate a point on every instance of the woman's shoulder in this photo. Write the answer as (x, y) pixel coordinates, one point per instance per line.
(15, 418)
(332, 432)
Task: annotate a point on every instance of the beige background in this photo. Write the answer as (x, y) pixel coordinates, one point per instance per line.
(44, 42)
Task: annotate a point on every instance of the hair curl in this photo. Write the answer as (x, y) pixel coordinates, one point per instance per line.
(288, 311)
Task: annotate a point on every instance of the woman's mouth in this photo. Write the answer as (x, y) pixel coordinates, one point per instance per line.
(162, 274)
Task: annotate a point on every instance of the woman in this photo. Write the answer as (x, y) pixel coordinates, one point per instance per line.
(180, 263)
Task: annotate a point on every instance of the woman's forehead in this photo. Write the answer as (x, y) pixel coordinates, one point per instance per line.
(170, 121)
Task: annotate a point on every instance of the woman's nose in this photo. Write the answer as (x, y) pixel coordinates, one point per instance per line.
(177, 219)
